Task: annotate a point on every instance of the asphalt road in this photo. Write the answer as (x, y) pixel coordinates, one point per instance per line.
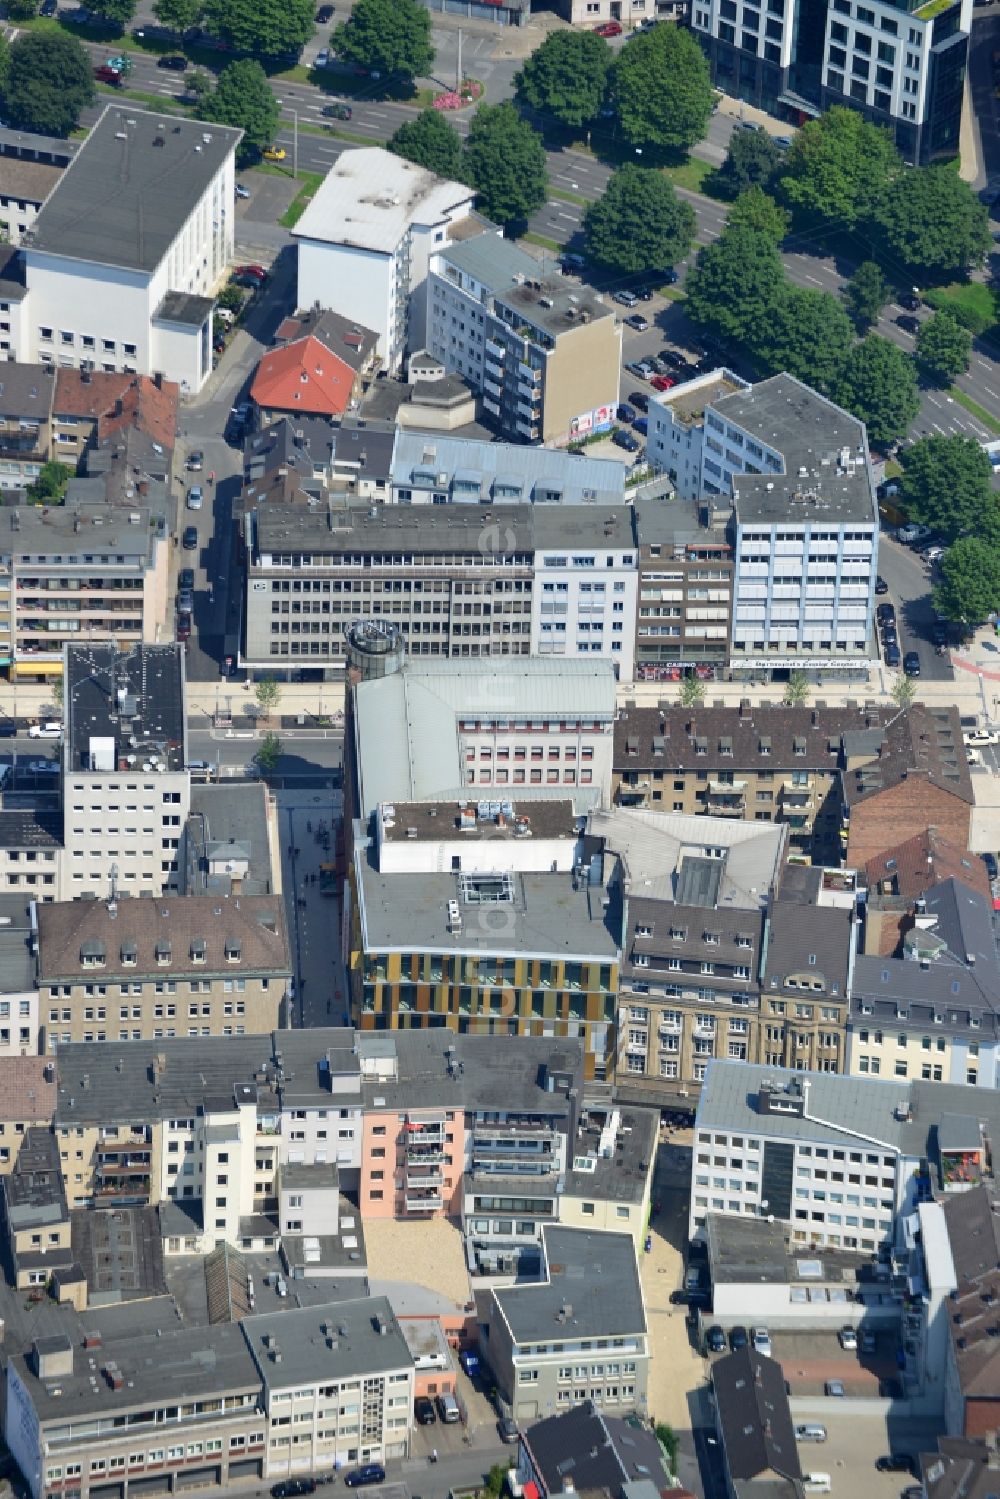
(910, 585)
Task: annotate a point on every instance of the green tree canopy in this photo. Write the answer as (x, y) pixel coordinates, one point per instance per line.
(944, 347)
(639, 224)
(50, 82)
(751, 161)
(179, 15)
(391, 36)
(269, 753)
(21, 10)
(661, 86)
(50, 486)
(932, 221)
(199, 83)
(839, 168)
(969, 590)
(754, 210)
(735, 284)
(432, 142)
(264, 28)
(115, 12)
(243, 98)
(564, 79)
(878, 383)
(946, 485)
(807, 333)
(866, 294)
(505, 162)
(4, 64)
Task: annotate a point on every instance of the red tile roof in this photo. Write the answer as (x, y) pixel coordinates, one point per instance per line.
(25, 1094)
(150, 407)
(78, 397)
(303, 376)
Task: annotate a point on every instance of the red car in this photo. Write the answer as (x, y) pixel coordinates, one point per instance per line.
(662, 382)
(183, 627)
(610, 28)
(109, 75)
(258, 272)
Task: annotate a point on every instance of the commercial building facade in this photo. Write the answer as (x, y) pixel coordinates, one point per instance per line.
(685, 589)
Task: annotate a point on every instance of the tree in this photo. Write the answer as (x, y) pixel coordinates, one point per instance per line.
(839, 168)
(50, 83)
(947, 485)
(269, 753)
(432, 142)
(639, 223)
(243, 98)
(796, 690)
(230, 298)
(808, 334)
(21, 10)
(931, 220)
(668, 1440)
(969, 590)
(390, 36)
(878, 383)
(268, 694)
(117, 13)
(264, 28)
(662, 90)
(200, 83)
(4, 64)
(564, 79)
(50, 486)
(505, 162)
(904, 690)
(496, 1479)
(179, 15)
(944, 347)
(751, 161)
(735, 284)
(754, 210)
(692, 691)
(866, 294)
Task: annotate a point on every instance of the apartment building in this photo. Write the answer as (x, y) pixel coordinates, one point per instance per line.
(541, 725)
(676, 439)
(31, 838)
(36, 1218)
(577, 1333)
(126, 786)
(685, 589)
(337, 1384)
(962, 1260)
(837, 1159)
(27, 1103)
(353, 459)
(25, 431)
(902, 67)
(754, 1422)
(123, 261)
(79, 571)
(934, 1011)
(366, 239)
(501, 938)
(30, 167)
(94, 409)
(543, 353)
(902, 875)
(605, 1451)
(304, 376)
(439, 470)
(807, 977)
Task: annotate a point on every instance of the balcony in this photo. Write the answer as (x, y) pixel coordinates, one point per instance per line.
(423, 1201)
(423, 1132)
(420, 1178)
(495, 350)
(726, 798)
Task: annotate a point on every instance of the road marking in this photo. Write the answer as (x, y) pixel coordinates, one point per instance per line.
(991, 393)
(814, 279)
(573, 217)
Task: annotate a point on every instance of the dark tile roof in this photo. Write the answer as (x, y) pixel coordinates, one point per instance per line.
(594, 1450)
(807, 944)
(756, 1423)
(921, 744)
(973, 1309)
(151, 677)
(26, 390)
(766, 737)
(901, 874)
(738, 934)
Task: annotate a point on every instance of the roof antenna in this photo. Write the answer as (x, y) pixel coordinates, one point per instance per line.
(113, 897)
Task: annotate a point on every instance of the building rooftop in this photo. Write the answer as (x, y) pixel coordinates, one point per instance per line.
(754, 1416)
(12, 274)
(669, 856)
(147, 407)
(369, 198)
(17, 955)
(973, 1228)
(961, 1468)
(350, 341)
(905, 872)
(688, 400)
(23, 144)
(124, 710)
(599, 1453)
(749, 1251)
(34, 1189)
(180, 934)
(30, 827)
(764, 737)
(919, 742)
(226, 848)
(533, 288)
(611, 1161)
(684, 525)
(184, 307)
(25, 389)
(808, 946)
(506, 473)
(475, 819)
(418, 1069)
(303, 376)
(76, 530)
(130, 188)
(27, 1089)
(591, 1290)
(334, 1342)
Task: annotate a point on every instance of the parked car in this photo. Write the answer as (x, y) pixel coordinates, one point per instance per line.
(738, 1338)
(623, 439)
(891, 655)
(189, 540)
(638, 323)
(911, 533)
(104, 74)
(183, 630)
(881, 586)
(448, 1410)
(889, 636)
(639, 399)
(715, 1340)
(43, 767)
(424, 1411)
(663, 382)
(885, 614)
(8, 728)
(910, 301)
(834, 1387)
(572, 262)
(241, 191)
(810, 1431)
(783, 142)
(644, 293)
(195, 497)
(470, 1362)
(939, 632)
(626, 413)
(48, 730)
(195, 461)
(848, 1339)
(641, 425)
(911, 664)
(897, 1462)
(370, 1473)
(185, 577)
(324, 14)
(610, 28)
(625, 298)
(508, 1430)
(185, 601)
(274, 153)
(761, 1339)
(293, 1486)
(907, 323)
(322, 58)
(337, 111)
(868, 1341)
(258, 272)
(816, 1483)
(173, 60)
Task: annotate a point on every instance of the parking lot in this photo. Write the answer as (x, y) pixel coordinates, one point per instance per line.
(809, 1359)
(853, 1445)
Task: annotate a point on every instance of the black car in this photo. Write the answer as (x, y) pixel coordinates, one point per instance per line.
(337, 111)
(715, 1340)
(908, 324)
(324, 14)
(891, 654)
(175, 60)
(189, 541)
(644, 293)
(897, 1462)
(911, 664)
(939, 633)
(294, 1486)
(185, 578)
(910, 301)
(889, 636)
(636, 322)
(370, 1473)
(678, 1298)
(738, 1338)
(988, 859)
(639, 400)
(881, 586)
(625, 440)
(8, 728)
(423, 1409)
(626, 413)
(886, 614)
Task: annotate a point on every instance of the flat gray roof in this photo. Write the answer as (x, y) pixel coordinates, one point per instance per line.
(76, 530)
(592, 1290)
(130, 188)
(487, 1073)
(133, 699)
(535, 287)
(588, 480)
(303, 1337)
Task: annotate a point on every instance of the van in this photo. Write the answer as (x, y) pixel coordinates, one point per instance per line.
(810, 1431)
(816, 1483)
(51, 730)
(430, 1361)
(448, 1409)
(280, 1286)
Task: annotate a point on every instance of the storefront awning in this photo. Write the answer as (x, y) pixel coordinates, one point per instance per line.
(38, 668)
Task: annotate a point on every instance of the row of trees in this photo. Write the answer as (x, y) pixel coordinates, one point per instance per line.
(503, 158)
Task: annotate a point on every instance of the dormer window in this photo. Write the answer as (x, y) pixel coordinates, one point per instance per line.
(711, 939)
(163, 953)
(725, 746)
(798, 746)
(644, 931)
(197, 949)
(678, 933)
(234, 950)
(130, 955)
(743, 941)
(764, 747)
(93, 953)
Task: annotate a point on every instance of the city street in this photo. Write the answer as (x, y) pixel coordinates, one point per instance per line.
(910, 583)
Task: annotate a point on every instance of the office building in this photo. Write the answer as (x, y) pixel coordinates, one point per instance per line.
(902, 67)
(685, 589)
(577, 1333)
(544, 353)
(366, 238)
(126, 785)
(31, 837)
(123, 261)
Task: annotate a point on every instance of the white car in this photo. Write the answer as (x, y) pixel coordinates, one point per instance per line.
(848, 1338)
(45, 731)
(973, 757)
(912, 532)
(980, 738)
(322, 58)
(761, 1340)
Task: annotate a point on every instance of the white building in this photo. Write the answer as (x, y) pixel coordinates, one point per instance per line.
(586, 585)
(126, 785)
(365, 240)
(123, 261)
